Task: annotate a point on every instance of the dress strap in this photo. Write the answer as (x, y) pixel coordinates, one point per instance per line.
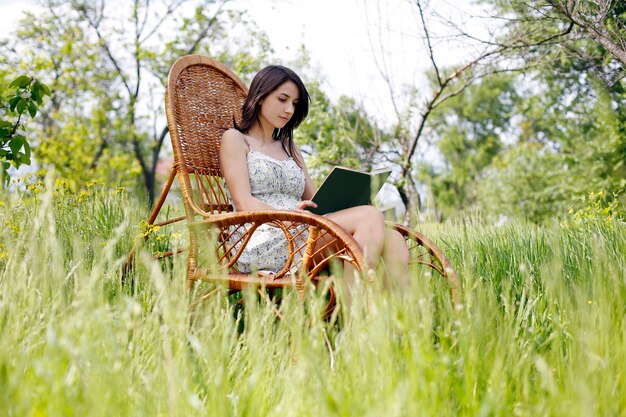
(245, 139)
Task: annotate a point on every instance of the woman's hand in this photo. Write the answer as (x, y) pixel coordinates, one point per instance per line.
(304, 204)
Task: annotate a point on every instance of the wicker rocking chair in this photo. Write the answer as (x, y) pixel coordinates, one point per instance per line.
(203, 99)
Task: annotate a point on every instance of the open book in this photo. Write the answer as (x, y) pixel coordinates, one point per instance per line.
(345, 187)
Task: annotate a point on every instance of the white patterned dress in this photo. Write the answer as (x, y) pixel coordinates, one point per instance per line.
(280, 184)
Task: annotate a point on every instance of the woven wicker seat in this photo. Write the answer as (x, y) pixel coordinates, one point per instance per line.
(203, 100)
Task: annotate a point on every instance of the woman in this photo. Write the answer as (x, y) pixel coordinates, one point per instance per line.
(264, 169)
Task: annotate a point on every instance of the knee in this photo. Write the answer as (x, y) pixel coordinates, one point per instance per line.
(372, 215)
(362, 221)
(372, 225)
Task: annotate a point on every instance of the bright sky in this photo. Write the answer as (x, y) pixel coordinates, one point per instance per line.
(350, 41)
(345, 38)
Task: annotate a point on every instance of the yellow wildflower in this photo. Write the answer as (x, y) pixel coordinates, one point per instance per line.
(82, 195)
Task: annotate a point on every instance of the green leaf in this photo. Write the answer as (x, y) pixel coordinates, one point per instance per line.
(32, 109)
(45, 89)
(16, 143)
(27, 152)
(35, 95)
(21, 105)
(13, 102)
(21, 82)
(22, 159)
(38, 91)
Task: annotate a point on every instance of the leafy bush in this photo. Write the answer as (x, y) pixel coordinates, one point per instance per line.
(27, 96)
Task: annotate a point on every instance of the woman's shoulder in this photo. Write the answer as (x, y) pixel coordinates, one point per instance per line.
(234, 139)
(232, 134)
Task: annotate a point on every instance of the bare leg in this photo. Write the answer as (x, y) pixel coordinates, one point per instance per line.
(396, 257)
(366, 225)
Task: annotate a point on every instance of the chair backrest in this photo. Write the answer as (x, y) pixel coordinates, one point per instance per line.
(203, 99)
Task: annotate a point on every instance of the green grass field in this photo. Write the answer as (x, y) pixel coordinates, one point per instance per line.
(542, 331)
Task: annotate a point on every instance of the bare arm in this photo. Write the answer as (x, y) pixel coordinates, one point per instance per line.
(233, 160)
(309, 187)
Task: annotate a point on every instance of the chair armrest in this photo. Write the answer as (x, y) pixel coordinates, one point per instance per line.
(425, 252)
(326, 239)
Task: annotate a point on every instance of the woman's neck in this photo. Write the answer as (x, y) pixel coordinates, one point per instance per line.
(264, 134)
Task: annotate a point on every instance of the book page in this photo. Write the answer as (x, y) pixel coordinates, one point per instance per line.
(379, 177)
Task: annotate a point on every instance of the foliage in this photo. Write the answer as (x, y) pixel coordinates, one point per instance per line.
(107, 63)
(600, 207)
(539, 333)
(571, 142)
(557, 32)
(340, 133)
(519, 184)
(549, 130)
(525, 144)
(469, 130)
(531, 143)
(14, 147)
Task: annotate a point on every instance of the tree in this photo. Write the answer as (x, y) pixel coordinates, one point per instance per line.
(469, 130)
(572, 130)
(108, 71)
(413, 125)
(538, 41)
(603, 21)
(590, 32)
(572, 142)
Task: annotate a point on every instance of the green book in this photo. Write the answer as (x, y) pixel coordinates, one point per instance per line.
(345, 188)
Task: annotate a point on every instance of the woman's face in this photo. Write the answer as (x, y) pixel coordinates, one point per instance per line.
(278, 106)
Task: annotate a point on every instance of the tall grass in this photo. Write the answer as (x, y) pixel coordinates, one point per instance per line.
(541, 332)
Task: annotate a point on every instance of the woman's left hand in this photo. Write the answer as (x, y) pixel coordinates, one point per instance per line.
(304, 204)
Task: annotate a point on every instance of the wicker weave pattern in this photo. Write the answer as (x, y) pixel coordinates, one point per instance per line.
(206, 102)
(205, 108)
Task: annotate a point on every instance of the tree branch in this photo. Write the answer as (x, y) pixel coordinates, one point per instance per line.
(99, 153)
(205, 32)
(428, 42)
(95, 24)
(596, 30)
(137, 51)
(171, 8)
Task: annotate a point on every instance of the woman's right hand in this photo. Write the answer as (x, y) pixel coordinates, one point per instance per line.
(304, 204)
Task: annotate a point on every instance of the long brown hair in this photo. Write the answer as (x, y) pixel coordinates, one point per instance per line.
(264, 82)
